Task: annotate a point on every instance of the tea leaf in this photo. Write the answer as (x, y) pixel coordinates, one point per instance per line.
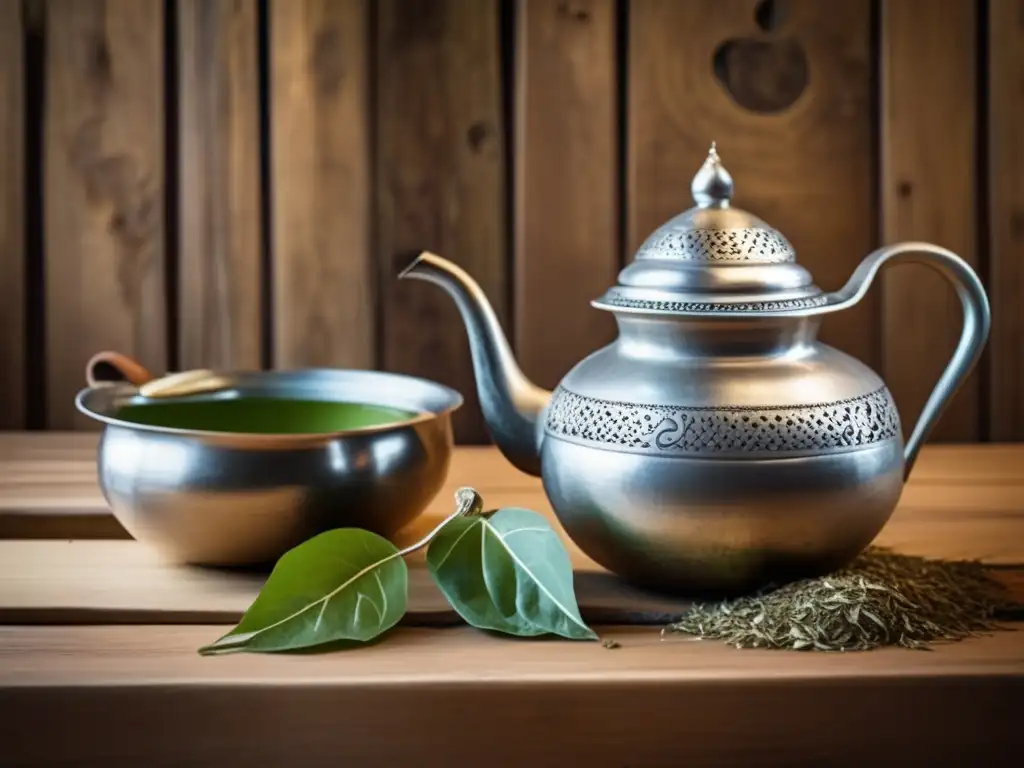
(508, 571)
(344, 584)
(881, 598)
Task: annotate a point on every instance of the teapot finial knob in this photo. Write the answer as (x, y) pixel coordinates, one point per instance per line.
(712, 186)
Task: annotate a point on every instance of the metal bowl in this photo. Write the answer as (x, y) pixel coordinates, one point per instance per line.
(220, 498)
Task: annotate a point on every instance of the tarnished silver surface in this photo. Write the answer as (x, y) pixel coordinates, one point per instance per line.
(716, 444)
(616, 299)
(511, 403)
(723, 525)
(216, 498)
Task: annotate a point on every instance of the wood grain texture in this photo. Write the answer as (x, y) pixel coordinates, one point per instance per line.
(791, 110)
(953, 506)
(1006, 218)
(12, 218)
(49, 490)
(123, 582)
(175, 707)
(928, 131)
(323, 294)
(219, 185)
(566, 702)
(440, 181)
(104, 186)
(567, 216)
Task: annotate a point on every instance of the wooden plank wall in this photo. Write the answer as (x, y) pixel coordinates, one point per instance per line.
(441, 180)
(236, 183)
(321, 271)
(567, 249)
(929, 192)
(1005, 219)
(787, 99)
(220, 232)
(104, 187)
(12, 218)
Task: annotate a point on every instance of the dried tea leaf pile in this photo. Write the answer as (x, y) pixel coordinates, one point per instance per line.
(882, 598)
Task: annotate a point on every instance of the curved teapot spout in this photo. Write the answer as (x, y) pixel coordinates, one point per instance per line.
(511, 403)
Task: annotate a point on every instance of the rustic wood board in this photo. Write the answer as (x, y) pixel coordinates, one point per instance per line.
(961, 502)
(942, 521)
(1006, 219)
(103, 186)
(975, 464)
(220, 232)
(803, 165)
(397, 702)
(440, 182)
(323, 295)
(123, 582)
(108, 655)
(928, 134)
(567, 181)
(633, 705)
(12, 218)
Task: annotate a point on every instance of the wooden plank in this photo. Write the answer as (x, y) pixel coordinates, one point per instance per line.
(791, 110)
(417, 658)
(64, 518)
(440, 184)
(124, 582)
(566, 702)
(323, 296)
(928, 193)
(104, 183)
(567, 217)
(1006, 218)
(48, 490)
(12, 219)
(219, 187)
(47, 445)
(932, 520)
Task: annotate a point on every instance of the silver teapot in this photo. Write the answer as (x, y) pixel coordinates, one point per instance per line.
(716, 446)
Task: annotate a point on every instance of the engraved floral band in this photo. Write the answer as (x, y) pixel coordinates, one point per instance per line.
(812, 429)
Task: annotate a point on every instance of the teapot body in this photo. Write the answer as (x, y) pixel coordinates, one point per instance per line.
(720, 455)
(716, 446)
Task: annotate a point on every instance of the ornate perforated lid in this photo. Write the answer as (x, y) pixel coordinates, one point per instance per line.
(713, 258)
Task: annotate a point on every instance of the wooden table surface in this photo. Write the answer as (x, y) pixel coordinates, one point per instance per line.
(140, 695)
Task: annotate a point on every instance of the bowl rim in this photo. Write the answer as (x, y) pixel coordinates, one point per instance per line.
(124, 392)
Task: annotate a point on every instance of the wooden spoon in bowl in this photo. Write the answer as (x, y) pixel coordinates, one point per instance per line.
(107, 367)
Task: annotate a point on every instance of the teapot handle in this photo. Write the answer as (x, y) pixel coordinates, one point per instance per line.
(977, 320)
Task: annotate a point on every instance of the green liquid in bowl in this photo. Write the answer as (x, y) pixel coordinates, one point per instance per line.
(263, 415)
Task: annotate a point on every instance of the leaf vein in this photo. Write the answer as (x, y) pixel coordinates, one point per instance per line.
(505, 535)
(325, 599)
(363, 596)
(383, 595)
(532, 575)
(452, 547)
(320, 616)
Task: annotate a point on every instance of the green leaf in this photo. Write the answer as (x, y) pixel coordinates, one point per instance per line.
(346, 584)
(508, 572)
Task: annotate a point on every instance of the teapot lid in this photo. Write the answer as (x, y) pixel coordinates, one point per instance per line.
(713, 259)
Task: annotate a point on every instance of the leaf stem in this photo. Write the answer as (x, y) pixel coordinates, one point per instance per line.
(468, 503)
